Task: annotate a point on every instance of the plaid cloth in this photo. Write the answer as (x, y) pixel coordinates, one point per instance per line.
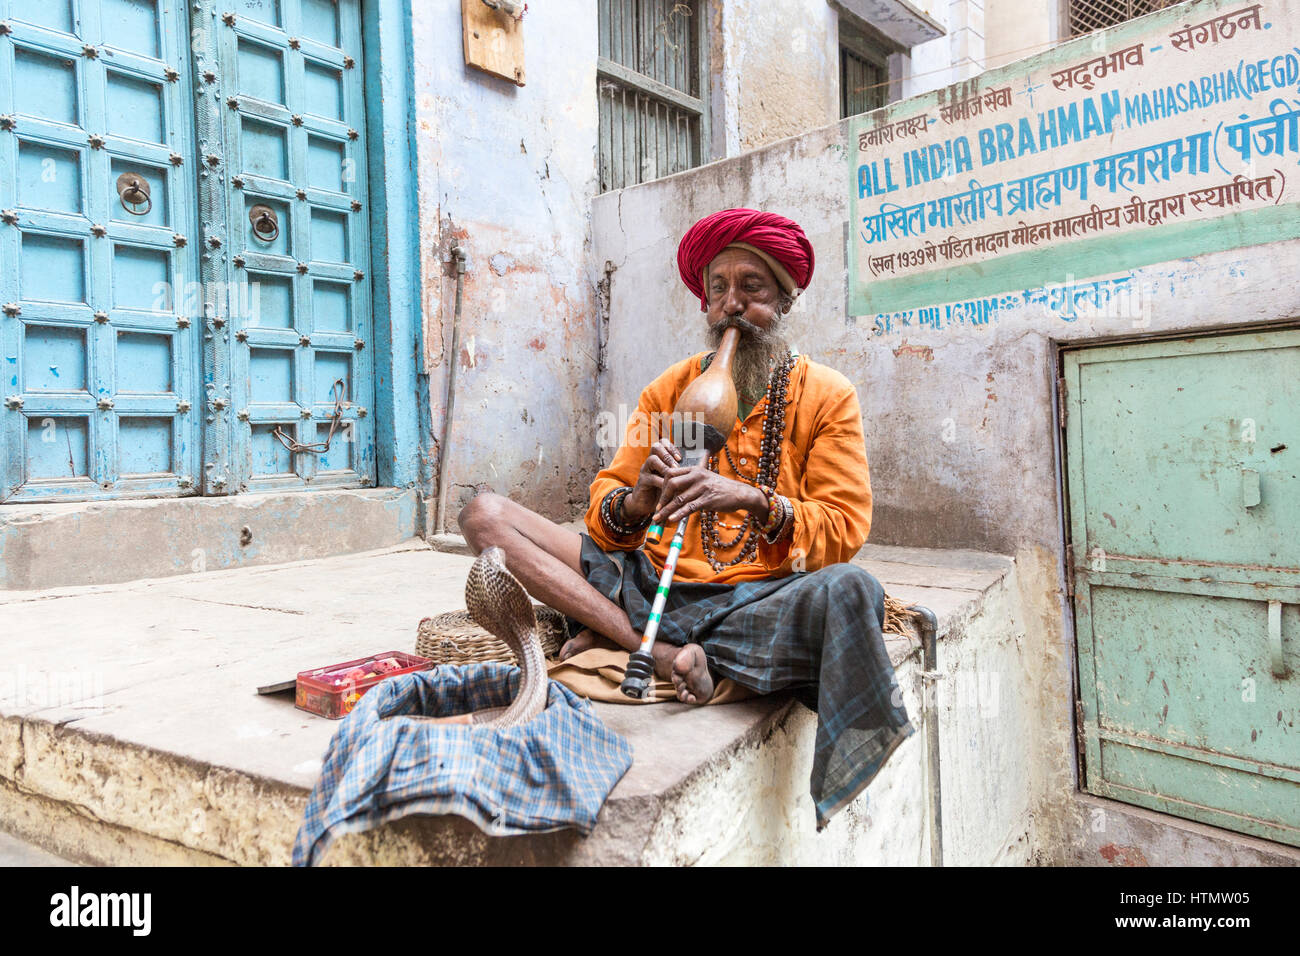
(551, 772)
(816, 634)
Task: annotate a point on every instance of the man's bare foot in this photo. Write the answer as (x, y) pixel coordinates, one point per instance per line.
(691, 675)
(585, 640)
(687, 668)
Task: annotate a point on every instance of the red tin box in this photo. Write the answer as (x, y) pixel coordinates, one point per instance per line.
(334, 690)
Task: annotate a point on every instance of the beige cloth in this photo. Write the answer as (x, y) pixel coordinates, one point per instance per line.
(596, 673)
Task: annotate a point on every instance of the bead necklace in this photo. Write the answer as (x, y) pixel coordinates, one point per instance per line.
(769, 470)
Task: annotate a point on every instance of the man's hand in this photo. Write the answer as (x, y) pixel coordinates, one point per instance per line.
(663, 457)
(687, 490)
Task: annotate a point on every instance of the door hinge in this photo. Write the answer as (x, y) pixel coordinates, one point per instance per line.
(1080, 737)
(1060, 402)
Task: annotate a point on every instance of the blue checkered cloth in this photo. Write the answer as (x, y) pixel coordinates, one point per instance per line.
(551, 772)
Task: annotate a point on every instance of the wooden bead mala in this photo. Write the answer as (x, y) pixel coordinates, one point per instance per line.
(769, 470)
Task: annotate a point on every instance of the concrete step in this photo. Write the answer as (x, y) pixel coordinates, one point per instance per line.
(131, 733)
(77, 543)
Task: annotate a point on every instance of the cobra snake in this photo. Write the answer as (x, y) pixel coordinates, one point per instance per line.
(498, 602)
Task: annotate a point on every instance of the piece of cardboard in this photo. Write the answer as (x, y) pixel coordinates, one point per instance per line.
(494, 41)
(280, 687)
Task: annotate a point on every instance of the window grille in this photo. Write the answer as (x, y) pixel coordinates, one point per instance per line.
(864, 83)
(652, 114)
(1089, 15)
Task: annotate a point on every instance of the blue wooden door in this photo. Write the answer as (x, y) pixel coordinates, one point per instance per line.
(290, 368)
(98, 336)
(184, 262)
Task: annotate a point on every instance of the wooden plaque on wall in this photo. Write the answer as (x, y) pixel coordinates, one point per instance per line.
(494, 41)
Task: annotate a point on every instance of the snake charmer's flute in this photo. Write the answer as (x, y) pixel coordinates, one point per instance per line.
(701, 422)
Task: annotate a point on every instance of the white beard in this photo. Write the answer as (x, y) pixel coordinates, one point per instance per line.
(757, 350)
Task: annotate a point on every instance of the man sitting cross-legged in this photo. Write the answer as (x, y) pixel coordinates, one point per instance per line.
(763, 593)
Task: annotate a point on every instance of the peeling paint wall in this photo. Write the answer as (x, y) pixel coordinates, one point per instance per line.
(775, 66)
(957, 55)
(509, 173)
(782, 64)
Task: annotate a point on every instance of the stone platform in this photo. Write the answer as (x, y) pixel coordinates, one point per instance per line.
(130, 731)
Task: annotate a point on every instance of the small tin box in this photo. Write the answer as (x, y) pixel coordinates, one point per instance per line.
(334, 690)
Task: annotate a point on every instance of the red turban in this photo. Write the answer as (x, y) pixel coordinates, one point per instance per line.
(778, 241)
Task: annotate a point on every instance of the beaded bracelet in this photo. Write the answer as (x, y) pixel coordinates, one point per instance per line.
(611, 508)
(620, 514)
(786, 526)
(774, 511)
(607, 516)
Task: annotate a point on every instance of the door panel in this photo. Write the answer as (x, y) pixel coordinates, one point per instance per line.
(1247, 802)
(100, 356)
(1183, 461)
(1197, 651)
(299, 324)
(133, 338)
(1160, 410)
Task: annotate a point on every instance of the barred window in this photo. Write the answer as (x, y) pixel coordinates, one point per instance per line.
(864, 71)
(864, 83)
(653, 120)
(1089, 15)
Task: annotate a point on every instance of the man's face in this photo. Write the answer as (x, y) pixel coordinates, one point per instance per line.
(740, 283)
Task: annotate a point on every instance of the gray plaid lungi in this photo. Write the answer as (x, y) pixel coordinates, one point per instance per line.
(815, 634)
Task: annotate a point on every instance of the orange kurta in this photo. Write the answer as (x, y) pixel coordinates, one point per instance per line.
(823, 473)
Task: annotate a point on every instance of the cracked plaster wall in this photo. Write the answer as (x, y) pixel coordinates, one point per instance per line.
(509, 172)
(779, 65)
(88, 802)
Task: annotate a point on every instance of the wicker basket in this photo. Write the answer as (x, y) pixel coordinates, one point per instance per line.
(454, 638)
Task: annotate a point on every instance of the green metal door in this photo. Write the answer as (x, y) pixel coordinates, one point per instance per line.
(1182, 463)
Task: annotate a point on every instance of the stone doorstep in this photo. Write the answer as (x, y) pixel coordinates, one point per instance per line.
(175, 753)
(1109, 833)
(107, 542)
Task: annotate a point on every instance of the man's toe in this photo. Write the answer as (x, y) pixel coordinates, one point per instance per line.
(584, 640)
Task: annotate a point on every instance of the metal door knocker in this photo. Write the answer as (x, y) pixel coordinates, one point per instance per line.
(133, 191)
(266, 226)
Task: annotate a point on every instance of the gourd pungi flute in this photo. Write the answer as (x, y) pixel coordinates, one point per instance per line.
(702, 420)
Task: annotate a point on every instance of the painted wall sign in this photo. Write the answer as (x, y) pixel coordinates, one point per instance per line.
(1166, 137)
